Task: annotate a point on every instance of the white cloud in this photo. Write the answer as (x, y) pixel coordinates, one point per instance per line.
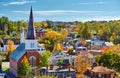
(18, 3)
(102, 18)
(92, 3)
(74, 18)
(59, 12)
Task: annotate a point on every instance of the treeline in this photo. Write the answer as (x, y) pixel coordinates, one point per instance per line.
(10, 28)
(108, 31)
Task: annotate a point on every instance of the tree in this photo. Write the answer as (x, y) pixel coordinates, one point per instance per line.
(24, 67)
(52, 38)
(60, 61)
(9, 49)
(46, 77)
(10, 46)
(58, 47)
(38, 24)
(110, 60)
(44, 24)
(25, 60)
(48, 53)
(64, 32)
(115, 48)
(44, 60)
(82, 63)
(0, 40)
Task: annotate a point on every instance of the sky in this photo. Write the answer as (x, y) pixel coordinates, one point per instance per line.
(61, 10)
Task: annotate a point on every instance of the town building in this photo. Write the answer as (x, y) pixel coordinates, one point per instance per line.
(29, 49)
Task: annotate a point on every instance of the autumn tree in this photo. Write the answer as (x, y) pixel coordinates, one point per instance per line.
(9, 49)
(58, 47)
(25, 60)
(24, 68)
(64, 32)
(45, 59)
(115, 48)
(82, 63)
(38, 24)
(52, 38)
(44, 24)
(10, 46)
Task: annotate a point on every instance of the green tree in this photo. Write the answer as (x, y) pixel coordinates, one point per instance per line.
(44, 60)
(23, 69)
(60, 61)
(110, 60)
(46, 77)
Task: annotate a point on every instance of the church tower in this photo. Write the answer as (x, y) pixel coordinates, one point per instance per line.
(31, 42)
(22, 39)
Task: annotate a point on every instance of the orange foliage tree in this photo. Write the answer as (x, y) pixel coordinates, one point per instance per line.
(115, 48)
(82, 63)
(10, 46)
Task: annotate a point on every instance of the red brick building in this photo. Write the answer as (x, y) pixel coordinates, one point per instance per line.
(28, 49)
(40, 33)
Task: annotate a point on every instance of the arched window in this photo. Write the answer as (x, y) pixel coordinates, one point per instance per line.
(32, 61)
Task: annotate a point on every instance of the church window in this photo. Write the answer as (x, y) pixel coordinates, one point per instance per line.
(33, 61)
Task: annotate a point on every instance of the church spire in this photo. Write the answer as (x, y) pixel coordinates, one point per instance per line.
(31, 30)
(22, 40)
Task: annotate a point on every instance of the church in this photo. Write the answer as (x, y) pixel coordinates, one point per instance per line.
(28, 48)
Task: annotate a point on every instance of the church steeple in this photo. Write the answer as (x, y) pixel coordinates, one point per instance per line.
(31, 42)
(22, 39)
(31, 30)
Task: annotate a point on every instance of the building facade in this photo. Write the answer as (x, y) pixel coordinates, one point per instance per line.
(28, 49)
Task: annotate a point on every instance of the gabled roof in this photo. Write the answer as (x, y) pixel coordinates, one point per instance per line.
(19, 52)
(96, 38)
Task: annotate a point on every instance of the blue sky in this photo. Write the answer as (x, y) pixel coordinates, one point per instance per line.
(61, 10)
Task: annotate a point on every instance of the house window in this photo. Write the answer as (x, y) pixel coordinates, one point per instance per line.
(32, 61)
(32, 45)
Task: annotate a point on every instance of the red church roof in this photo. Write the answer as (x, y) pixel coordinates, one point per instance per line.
(31, 30)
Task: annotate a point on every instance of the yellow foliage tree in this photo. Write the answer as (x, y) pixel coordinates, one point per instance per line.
(58, 47)
(52, 38)
(82, 63)
(53, 35)
(38, 24)
(64, 32)
(44, 24)
(10, 46)
(25, 60)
